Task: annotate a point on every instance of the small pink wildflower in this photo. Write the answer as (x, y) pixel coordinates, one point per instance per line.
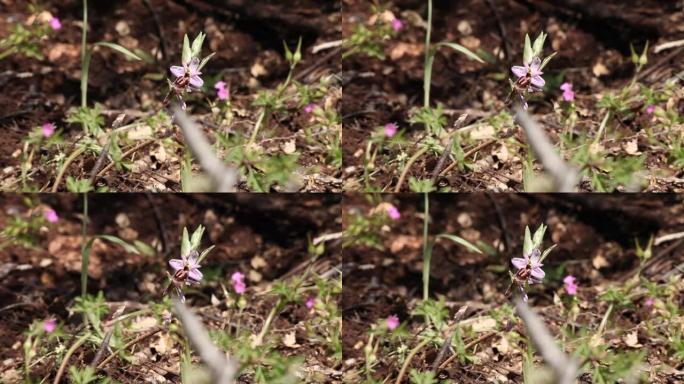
(55, 24)
(310, 107)
(50, 215)
(397, 25)
(50, 325)
(650, 109)
(238, 280)
(649, 302)
(390, 129)
(310, 302)
(568, 94)
(392, 322)
(570, 285)
(48, 129)
(222, 92)
(393, 212)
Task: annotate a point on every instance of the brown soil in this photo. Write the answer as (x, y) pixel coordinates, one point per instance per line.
(36, 91)
(42, 282)
(378, 92)
(590, 230)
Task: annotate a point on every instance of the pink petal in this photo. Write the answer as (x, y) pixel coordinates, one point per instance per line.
(534, 66)
(538, 273)
(194, 63)
(519, 263)
(196, 81)
(220, 85)
(177, 71)
(519, 71)
(537, 81)
(176, 264)
(566, 87)
(195, 274)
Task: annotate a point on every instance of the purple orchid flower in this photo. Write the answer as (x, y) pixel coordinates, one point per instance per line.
(529, 79)
(529, 270)
(530, 75)
(187, 76)
(186, 270)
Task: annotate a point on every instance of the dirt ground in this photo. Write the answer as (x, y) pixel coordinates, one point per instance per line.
(249, 57)
(43, 282)
(595, 237)
(593, 53)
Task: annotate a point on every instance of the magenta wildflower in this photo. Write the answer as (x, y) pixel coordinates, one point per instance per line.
(238, 280)
(393, 212)
(48, 129)
(392, 322)
(650, 109)
(568, 94)
(570, 285)
(310, 302)
(186, 270)
(222, 92)
(397, 25)
(310, 107)
(50, 215)
(649, 302)
(50, 325)
(55, 24)
(390, 129)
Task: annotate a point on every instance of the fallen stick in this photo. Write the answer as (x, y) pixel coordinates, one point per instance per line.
(565, 177)
(223, 178)
(223, 370)
(565, 368)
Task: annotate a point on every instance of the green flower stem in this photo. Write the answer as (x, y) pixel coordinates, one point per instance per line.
(67, 356)
(426, 73)
(84, 57)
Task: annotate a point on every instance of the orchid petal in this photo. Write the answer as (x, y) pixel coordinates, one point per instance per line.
(195, 274)
(177, 71)
(538, 273)
(196, 81)
(519, 262)
(176, 264)
(538, 81)
(519, 71)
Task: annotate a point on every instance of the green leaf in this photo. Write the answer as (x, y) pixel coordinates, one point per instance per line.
(461, 241)
(187, 52)
(144, 248)
(527, 243)
(527, 51)
(204, 254)
(546, 252)
(197, 45)
(197, 237)
(539, 236)
(119, 49)
(546, 60)
(205, 61)
(538, 45)
(185, 243)
(115, 240)
(459, 48)
(85, 260)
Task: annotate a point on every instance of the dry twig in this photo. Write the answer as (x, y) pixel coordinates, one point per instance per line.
(564, 367)
(223, 371)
